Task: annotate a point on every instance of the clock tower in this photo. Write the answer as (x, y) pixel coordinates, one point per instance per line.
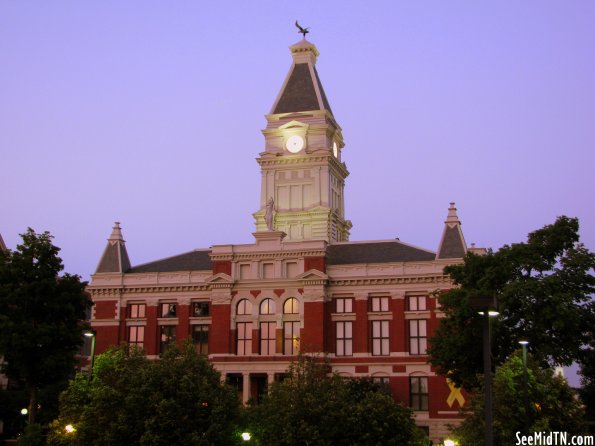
(301, 166)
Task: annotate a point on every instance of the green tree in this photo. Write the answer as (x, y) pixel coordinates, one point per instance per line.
(552, 405)
(311, 407)
(587, 390)
(544, 289)
(41, 311)
(130, 400)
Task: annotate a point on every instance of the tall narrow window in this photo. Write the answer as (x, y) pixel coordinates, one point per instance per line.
(136, 335)
(291, 306)
(200, 337)
(267, 306)
(244, 307)
(344, 345)
(291, 338)
(167, 337)
(418, 388)
(344, 305)
(244, 330)
(380, 344)
(268, 338)
(418, 338)
(379, 304)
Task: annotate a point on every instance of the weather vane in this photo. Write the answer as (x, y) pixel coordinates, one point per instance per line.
(303, 31)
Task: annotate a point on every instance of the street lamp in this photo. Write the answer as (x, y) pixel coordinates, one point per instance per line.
(90, 333)
(526, 379)
(487, 306)
(246, 436)
(449, 442)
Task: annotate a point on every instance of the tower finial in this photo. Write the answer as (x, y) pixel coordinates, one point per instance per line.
(303, 31)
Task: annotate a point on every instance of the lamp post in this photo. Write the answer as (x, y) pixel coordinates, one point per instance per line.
(486, 307)
(526, 379)
(90, 333)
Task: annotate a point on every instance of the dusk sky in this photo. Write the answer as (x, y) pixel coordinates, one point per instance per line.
(150, 113)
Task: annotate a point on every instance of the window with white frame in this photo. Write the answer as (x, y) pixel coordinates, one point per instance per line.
(167, 337)
(418, 337)
(291, 306)
(380, 338)
(268, 338)
(417, 303)
(344, 305)
(379, 304)
(418, 392)
(200, 337)
(136, 311)
(168, 310)
(136, 335)
(344, 331)
(244, 307)
(244, 334)
(291, 337)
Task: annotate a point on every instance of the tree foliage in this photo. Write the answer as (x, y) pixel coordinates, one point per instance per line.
(587, 391)
(40, 314)
(310, 407)
(130, 400)
(544, 289)
(552, 405)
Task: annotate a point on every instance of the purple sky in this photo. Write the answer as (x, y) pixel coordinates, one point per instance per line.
(149, 113)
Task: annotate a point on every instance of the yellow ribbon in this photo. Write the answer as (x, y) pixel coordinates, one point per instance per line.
(455, 394)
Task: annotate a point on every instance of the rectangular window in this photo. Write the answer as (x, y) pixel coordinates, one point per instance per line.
(245, 271)
(379, 304)
(344, 344)
(200, 309)
(244, 330)
(380, 344)
(417, 303)
(291, 269)
(167, 337)
(344, 305)
(418, 337)
(136, 335)
(200, 337)
(268, 338)
(167, 310)
(136, 311)
(418, 387)
(291, 338)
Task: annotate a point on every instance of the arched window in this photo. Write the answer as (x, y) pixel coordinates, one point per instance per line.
(291, 306)
(244, 307)
(267, 306)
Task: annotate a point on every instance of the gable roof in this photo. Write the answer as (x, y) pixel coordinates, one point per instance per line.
(198, 260)
(376, 252)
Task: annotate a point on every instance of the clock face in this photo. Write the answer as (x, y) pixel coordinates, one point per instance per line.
(294, 143)
(335, 150)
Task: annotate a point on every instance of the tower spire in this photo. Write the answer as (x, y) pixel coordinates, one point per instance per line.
(452, 244)
(2, 245)
(115, 256)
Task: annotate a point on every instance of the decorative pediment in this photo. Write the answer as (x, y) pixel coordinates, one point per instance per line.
(313, 274)
(295, 125)
(220, 280)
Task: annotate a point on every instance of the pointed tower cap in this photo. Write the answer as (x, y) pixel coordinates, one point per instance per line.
(115, 257)
(452, 244)
(2, 245)
(302, 90)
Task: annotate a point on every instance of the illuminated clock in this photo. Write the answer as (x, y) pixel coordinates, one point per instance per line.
(294, 143)
(335, 149)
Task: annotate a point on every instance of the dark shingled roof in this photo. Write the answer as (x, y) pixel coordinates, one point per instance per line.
(452, 246)
(114, 260)
(190, 261)
(375, 252)
(300, 94)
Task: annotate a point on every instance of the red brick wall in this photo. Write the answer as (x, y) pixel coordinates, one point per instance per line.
(106, 337)
(222, 266)
(183, 330)
(312, 335)
(106, 309)
(360, 326)
(151, 338)
(398, 339)
(318, 263)
(220, 337)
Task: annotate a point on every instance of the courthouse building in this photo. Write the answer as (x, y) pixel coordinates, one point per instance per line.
(369, 306)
